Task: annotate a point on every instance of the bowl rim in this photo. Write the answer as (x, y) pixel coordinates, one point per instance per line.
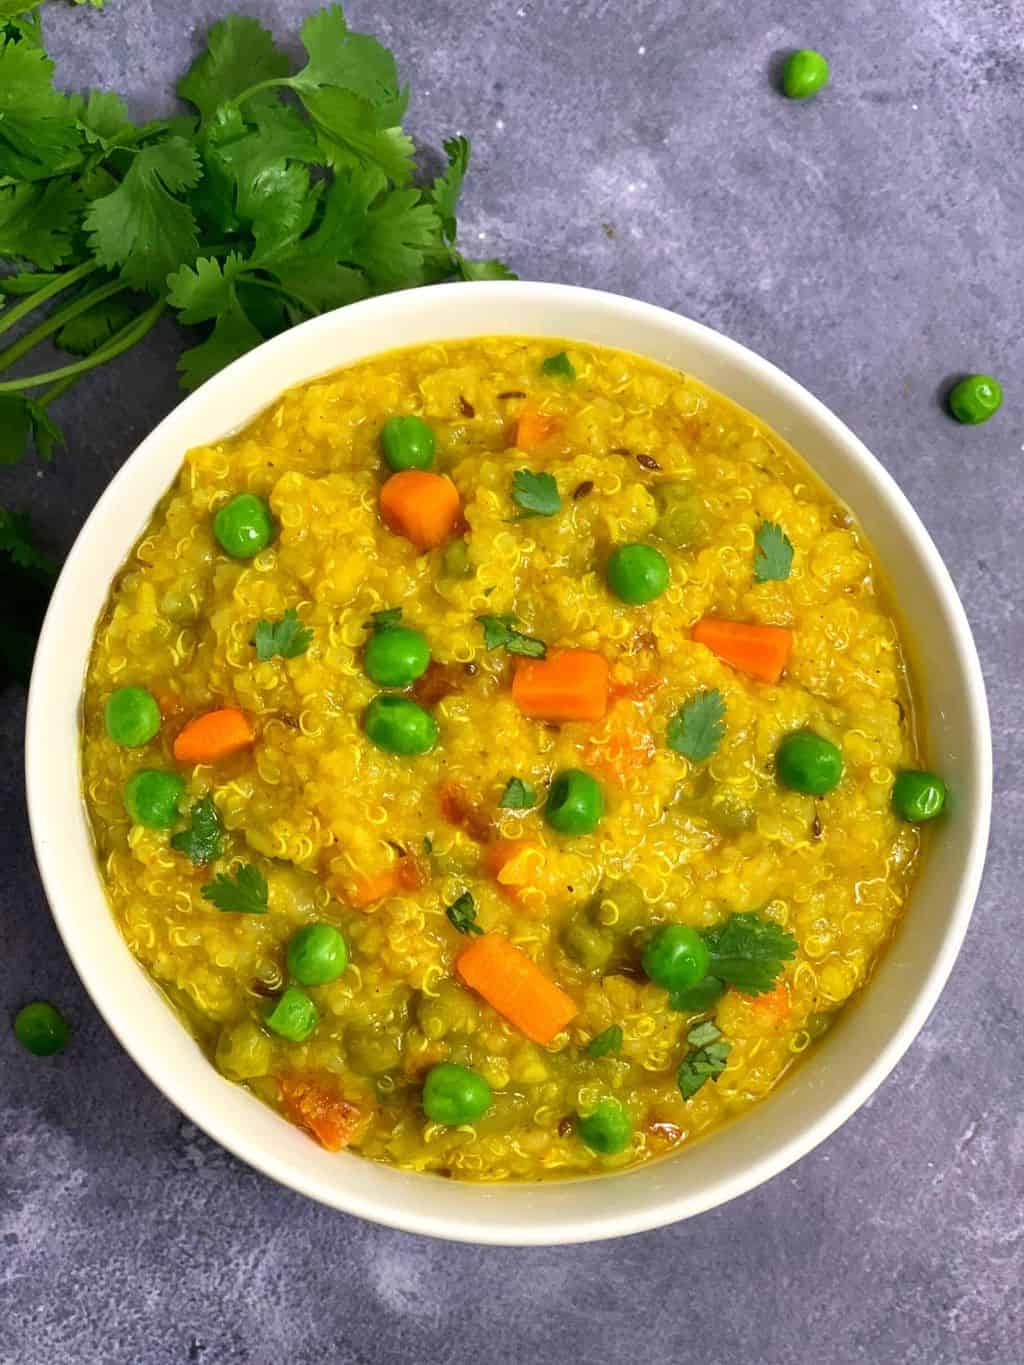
(74, 932)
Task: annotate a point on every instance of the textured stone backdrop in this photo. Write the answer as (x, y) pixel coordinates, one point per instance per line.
(871, 243)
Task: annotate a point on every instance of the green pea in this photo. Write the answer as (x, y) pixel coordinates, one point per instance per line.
(317, 954)
(408, 443)
(918, 796)
(637, 573)
(396, 657)
(575, 804)
(589, 945)
(680, 515)
(244, 526)
(676, 957)
(132, 716)
(152, 797)
(807, 763)
(975, 399)
(400, 726)
(41, 1029)
(455, 561)
(294, 1016)
(804, 74)
(455, 1094)
(608, 1129)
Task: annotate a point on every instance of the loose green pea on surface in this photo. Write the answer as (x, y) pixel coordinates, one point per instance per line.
(317, 954)
(918, 796)
(455, 1094)
(152, 797)
(400, 726)
(294, 1016)
(132, 717)
(807, 763)
(243, 527)
(408, 443)
(41, 1028)
(975, 399)
(804, 74)
(608, 1129)
(637, 573)
(575, 803)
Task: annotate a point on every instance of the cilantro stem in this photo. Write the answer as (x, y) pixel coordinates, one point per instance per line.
(56, 286)
(121, 341)
(56, 390)
(276, 83)
(57, 320)
(275, 288)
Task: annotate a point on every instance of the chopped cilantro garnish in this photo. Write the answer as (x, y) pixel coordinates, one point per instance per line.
(702, 1064)
(609, 1040)
(201, 842)
(748, 951)
(428, 844)
(697, 728)
(286, 638)
(518, 795)
(462, 914)
(383, 620)
(559, 367)
(500, 633)
(773, 558)
(702, 1034)
(246, 893)
(536, 494)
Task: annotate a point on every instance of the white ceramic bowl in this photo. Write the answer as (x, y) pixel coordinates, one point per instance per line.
(840, 1073)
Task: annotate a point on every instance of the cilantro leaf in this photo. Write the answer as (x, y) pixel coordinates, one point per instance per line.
(37, 222)
(204, 290)
(246, 893)
(500, 633)
(102, 117)
(696, 999)
(240, 53)
(232, 336)
(702, 1034)
(23, 420)
(28, 576)
(141, 228)
(700, 1065)
(537, 494)
(201, 842)
(610, 1040)
(697, 728)
(355, 131)
(518, 795)
(395, 239)
(383, 620)
(559, 367)
(287, 638)
(485, 270)
(773, 558)
(350, 61)
(92, 329)
(748, 951)
(39, 135)
(447, 188)
(462, 914)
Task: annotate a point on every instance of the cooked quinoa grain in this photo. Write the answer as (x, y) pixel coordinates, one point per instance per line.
(478, 936)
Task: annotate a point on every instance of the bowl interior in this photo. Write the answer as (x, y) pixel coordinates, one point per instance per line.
(840, 1072)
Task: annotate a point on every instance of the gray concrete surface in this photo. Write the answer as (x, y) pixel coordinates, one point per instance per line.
(871, 243)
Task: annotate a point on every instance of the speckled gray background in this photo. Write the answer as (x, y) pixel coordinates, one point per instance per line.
(871, 243)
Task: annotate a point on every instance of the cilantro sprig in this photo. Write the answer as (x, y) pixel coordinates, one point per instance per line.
(698, 727)
(773, 557)
(500, 633)
(201, 842)
(290, 189)
(285, 639)
(246, 893)
(536, 494)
